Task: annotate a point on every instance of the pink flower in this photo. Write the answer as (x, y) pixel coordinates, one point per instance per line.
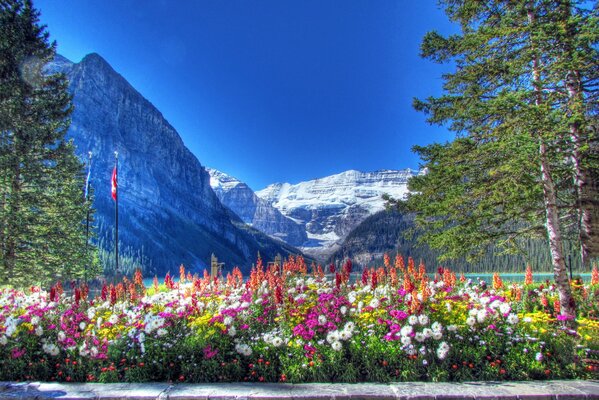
(209, 352)
(17, 353)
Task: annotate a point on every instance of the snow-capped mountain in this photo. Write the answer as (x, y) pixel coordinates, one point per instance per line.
(330, 207)
(254, 211)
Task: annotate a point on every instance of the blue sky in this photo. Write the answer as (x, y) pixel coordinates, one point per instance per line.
(271, 91)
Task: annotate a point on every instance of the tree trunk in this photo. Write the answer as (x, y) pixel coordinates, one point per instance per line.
(568, 305)
(587, 192)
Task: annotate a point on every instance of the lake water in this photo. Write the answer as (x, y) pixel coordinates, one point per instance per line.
(488, 277)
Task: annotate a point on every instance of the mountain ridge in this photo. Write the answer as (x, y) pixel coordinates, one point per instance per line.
(167, 206)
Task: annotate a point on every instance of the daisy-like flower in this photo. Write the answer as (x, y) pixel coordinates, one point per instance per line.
(161, 332)
(336, 346)
(471, 321)
(413, 320)
(442, 350)
(428, 333)
(512, 319)
(277, 341)
(481, 315)
(345, 335)
(504, 308)
(419, 337)
(406, 330)
(423, 319)
(332, 336)
(322, 319)
(243, 349)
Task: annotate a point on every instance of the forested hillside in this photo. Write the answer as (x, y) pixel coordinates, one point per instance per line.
(392, 231)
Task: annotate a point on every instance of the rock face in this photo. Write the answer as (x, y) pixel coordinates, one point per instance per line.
(254, 211)
(332, 206)
(167, 208)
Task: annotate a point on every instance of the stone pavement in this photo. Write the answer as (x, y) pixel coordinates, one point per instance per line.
(537, 390)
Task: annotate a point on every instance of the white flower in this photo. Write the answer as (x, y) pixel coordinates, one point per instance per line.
(91, 313)
(349, 326)
(3, 340)
(411, 350)
(343, 310)
(113, 319)
(512, 319)
(423, 319)
(243, 349)
(406, 340)
(61, 336)
(332, 336)
(374, 303)
(82, 326)
(35, 320)
(345, 335)
(452, 328)
(539, 357)
(93, 351)
(437, 335)
(161, 332)
(407, 330)
(481, 315)
(436, 326)
(322, 319)
(277, 341)
(232, 331)
(428, 333)
(471, 321)
(336, 346)
(419, 337)
(228, 320)
(351, 296)
(442, 350)
(413, 320)
(50, 348)
(39, 331)
(504, 308)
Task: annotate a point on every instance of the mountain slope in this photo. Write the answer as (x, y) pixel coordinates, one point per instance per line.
(391, 232)
(167, 208)
(332, 206)
(255, 211)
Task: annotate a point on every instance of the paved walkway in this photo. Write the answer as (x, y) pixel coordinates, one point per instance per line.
(318, 391)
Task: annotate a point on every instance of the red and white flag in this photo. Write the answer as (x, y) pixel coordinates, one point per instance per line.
(114, 184)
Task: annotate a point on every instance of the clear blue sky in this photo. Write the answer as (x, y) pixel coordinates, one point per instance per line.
(271, 91)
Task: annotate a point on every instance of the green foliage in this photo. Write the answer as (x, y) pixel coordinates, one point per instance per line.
(510, 93)
(42, 209)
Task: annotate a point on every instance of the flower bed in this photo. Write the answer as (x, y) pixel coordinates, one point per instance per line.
(300, 325)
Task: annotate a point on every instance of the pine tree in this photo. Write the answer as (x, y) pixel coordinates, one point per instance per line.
(42, 209)
(524, 159)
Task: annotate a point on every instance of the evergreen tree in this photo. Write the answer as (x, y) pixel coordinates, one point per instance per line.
(525, 160)
(42, 209)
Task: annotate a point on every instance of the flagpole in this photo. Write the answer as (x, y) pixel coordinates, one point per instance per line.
(116, 217)
(89, 171)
